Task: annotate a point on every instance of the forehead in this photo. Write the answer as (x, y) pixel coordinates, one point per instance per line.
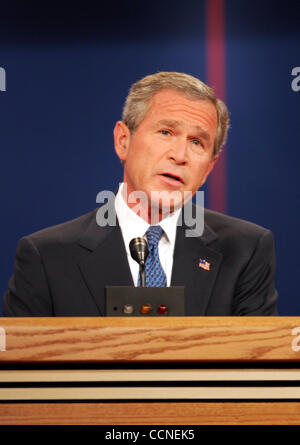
(172, 104)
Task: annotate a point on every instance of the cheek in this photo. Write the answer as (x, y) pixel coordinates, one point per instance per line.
(198, 174)
(139, 150)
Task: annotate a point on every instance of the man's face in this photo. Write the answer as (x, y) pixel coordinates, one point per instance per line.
(172, 148)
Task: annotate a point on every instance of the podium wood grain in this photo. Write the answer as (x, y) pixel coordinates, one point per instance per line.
(212, 413)
(263, 352)
(137, 339)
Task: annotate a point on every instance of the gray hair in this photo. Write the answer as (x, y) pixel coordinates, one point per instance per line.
(141, 93)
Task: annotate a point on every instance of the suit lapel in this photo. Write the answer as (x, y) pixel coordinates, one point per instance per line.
(107, 263)
(198, 282)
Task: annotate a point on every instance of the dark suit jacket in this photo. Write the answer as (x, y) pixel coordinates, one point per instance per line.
(62, 270)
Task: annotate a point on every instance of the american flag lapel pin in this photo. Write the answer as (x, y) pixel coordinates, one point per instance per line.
(204, 264)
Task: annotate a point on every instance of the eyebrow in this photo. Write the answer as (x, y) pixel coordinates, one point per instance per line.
(174, 124)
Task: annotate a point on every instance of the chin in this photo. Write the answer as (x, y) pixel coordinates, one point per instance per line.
(167, 206)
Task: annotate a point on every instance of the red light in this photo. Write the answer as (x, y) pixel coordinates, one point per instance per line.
(162, 309)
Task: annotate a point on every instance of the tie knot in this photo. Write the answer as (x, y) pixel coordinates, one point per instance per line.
(154, 234)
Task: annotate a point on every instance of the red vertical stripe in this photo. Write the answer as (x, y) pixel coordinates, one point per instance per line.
(215, 62)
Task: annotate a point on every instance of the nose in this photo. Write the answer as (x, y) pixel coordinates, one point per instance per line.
(178, 152)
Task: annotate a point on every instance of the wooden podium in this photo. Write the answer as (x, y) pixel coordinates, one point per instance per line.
(150, 371)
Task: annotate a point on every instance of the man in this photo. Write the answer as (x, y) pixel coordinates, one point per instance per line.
(169, 139)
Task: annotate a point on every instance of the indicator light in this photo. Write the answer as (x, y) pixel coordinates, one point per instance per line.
(162, 309)
(146, 308)
(127, 309)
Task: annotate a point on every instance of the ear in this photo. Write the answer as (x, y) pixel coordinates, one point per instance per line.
(121, 139)
(209, 168)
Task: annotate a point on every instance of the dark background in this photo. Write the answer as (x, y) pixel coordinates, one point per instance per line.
(69, 66)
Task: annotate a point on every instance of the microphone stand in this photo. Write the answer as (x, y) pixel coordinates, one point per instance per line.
(142, 272)
(127, 300)
(139, 252)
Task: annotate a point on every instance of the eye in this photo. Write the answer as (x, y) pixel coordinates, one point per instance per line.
(197, 142)
(165, 132)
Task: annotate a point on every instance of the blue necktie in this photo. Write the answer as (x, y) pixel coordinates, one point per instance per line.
(155, 275)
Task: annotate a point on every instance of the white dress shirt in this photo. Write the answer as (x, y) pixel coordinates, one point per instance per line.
(133, 226)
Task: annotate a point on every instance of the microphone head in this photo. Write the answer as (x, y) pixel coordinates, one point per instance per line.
(139, 250)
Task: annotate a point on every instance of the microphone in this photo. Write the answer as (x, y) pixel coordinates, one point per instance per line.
(139, 251)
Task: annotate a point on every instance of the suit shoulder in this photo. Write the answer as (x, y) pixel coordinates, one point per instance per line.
(66, 232)
(225, 225)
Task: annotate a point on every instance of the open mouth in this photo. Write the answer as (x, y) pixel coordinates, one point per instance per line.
(173, 177)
